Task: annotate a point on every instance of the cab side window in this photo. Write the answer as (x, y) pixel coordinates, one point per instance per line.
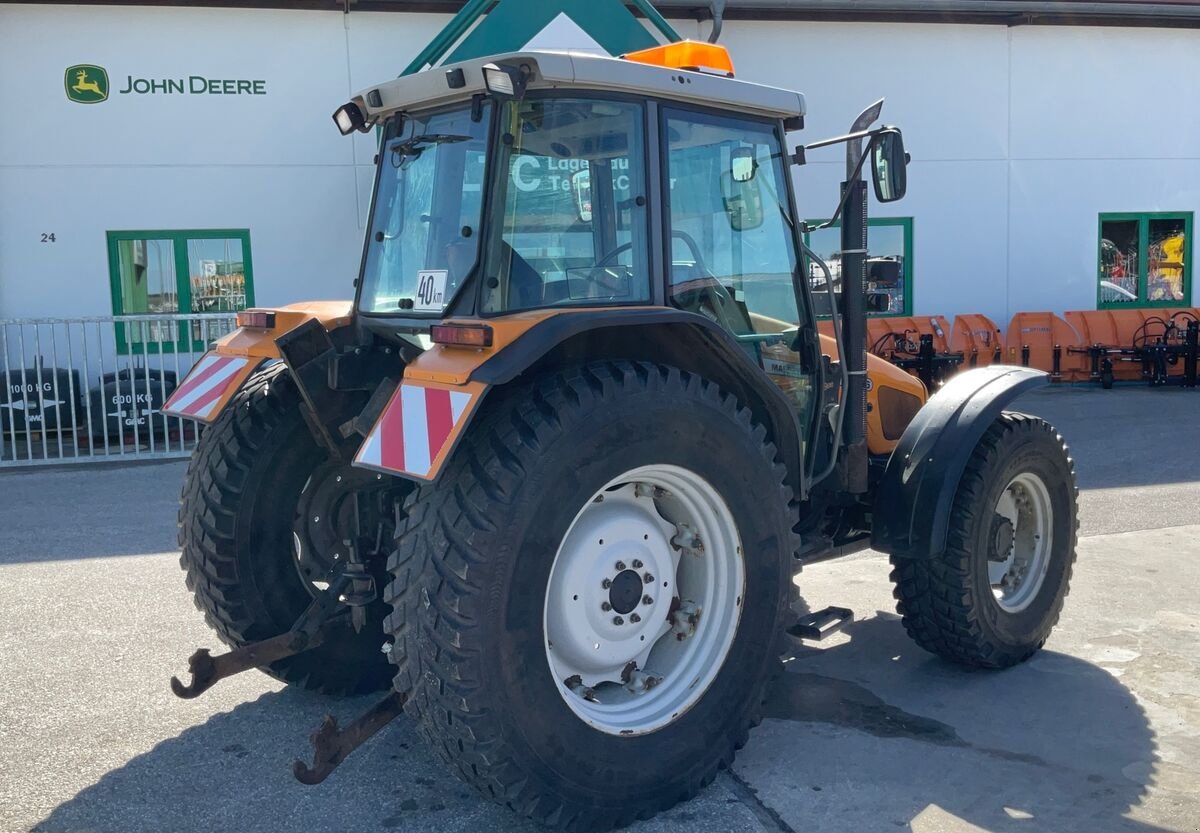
(732, 254)
(573, 227)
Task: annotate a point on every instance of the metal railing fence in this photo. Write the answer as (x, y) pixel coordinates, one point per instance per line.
(92, 389)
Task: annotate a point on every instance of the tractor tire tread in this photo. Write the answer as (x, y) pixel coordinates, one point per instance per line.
(931, 595)
(213, 488)
(443, 691)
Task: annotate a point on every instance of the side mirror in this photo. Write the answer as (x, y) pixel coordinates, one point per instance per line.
(742, 165)
(581, 188)
(743, 202)
(889, 165)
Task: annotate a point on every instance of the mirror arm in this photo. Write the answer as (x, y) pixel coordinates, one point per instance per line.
(837, 212)
(800, 155)
(847, 137)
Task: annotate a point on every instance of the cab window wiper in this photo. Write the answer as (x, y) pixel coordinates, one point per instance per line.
(413, 146)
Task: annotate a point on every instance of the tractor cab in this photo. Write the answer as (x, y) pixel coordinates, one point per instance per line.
(546, 184)
(552, 180)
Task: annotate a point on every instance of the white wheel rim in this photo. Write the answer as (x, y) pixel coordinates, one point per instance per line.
(628, 659)
(1020, 542)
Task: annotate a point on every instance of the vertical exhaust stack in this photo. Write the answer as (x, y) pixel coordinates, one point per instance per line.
(853, 307)
(717, 9)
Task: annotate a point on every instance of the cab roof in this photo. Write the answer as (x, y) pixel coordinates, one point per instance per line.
(569, 70)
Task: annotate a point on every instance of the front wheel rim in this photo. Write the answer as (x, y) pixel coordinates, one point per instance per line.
(644, 600)
(1020, 542)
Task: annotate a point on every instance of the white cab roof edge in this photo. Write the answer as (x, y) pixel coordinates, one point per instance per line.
(580, 70)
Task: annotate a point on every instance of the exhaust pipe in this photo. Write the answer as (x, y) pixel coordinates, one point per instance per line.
(853, 308)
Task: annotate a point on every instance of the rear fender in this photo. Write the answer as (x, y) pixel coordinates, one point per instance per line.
(443, 387)
(427, 415)
(914, 497)
(221, 372)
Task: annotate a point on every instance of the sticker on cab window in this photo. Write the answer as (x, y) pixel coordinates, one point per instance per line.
(431, 290)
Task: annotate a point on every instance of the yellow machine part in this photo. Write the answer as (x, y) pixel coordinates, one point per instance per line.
(893, 399)
(893, 396)
(249, 342)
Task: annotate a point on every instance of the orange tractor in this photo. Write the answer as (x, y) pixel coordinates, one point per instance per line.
(565, 452)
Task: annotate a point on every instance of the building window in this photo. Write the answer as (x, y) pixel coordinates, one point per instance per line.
(172, 272)
(1144, 260)
(889, 265)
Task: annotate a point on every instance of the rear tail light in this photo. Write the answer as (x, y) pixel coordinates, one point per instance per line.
(258, 319)
(463, 335)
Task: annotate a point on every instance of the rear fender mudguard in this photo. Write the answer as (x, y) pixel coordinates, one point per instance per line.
(209, 385)
(442, 388)
(221, 372)
(913, 500)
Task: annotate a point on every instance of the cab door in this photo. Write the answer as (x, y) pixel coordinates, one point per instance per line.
(731, 244)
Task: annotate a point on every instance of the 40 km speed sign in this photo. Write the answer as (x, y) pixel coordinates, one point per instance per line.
(431, 290)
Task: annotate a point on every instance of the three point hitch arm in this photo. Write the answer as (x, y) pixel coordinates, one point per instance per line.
(350, 588)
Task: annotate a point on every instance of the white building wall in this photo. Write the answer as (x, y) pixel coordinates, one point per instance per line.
(1020, 137)
(271, 163)
(1102, 120)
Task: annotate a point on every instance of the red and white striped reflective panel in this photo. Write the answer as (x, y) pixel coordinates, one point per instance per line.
(415, 426)
(205, 386)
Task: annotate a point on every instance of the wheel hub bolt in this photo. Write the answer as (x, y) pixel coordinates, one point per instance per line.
(633, 617)
(607, 583)
(646, 600)
(637, 565)
(620, 566)
(649, 579)
(617, 620)
(605, 606)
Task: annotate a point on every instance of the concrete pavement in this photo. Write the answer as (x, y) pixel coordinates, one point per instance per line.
(1100, 732)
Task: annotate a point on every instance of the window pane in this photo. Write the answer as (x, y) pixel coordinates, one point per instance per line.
(148, 285)
(887, 267)
(147, 276)
(732, 253)
(1165, 266)
(1119, 261)
(732, 250)
(217, 274)
(827, 243)
(424, 238)
(572, 231)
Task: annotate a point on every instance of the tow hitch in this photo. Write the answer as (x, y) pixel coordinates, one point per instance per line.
(332, 745)
(309, 631)
(351, 587)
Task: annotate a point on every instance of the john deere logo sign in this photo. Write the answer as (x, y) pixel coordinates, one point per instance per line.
(86, 83)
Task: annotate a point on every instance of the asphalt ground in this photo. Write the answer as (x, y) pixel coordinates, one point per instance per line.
(1099, 732)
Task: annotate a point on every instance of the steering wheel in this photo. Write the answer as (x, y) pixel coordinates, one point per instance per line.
(609, 258)
(688, 240)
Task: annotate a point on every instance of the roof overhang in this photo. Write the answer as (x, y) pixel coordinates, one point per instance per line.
(581, 71)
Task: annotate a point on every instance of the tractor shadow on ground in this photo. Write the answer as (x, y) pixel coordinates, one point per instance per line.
(1054, 744)
(894, 730)
(233, 773)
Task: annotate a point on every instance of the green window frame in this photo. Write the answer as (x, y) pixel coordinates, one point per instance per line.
(906, 273)
(179, 240)
(1143, 220)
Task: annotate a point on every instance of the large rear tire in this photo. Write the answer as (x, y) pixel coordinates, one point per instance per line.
(250, 546)
(609, 563)
(995, 594)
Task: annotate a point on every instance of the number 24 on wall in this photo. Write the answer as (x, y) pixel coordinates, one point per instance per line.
(49, 238)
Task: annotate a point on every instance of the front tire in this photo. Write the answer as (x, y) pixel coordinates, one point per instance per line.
(992, 598)
(532, 535)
